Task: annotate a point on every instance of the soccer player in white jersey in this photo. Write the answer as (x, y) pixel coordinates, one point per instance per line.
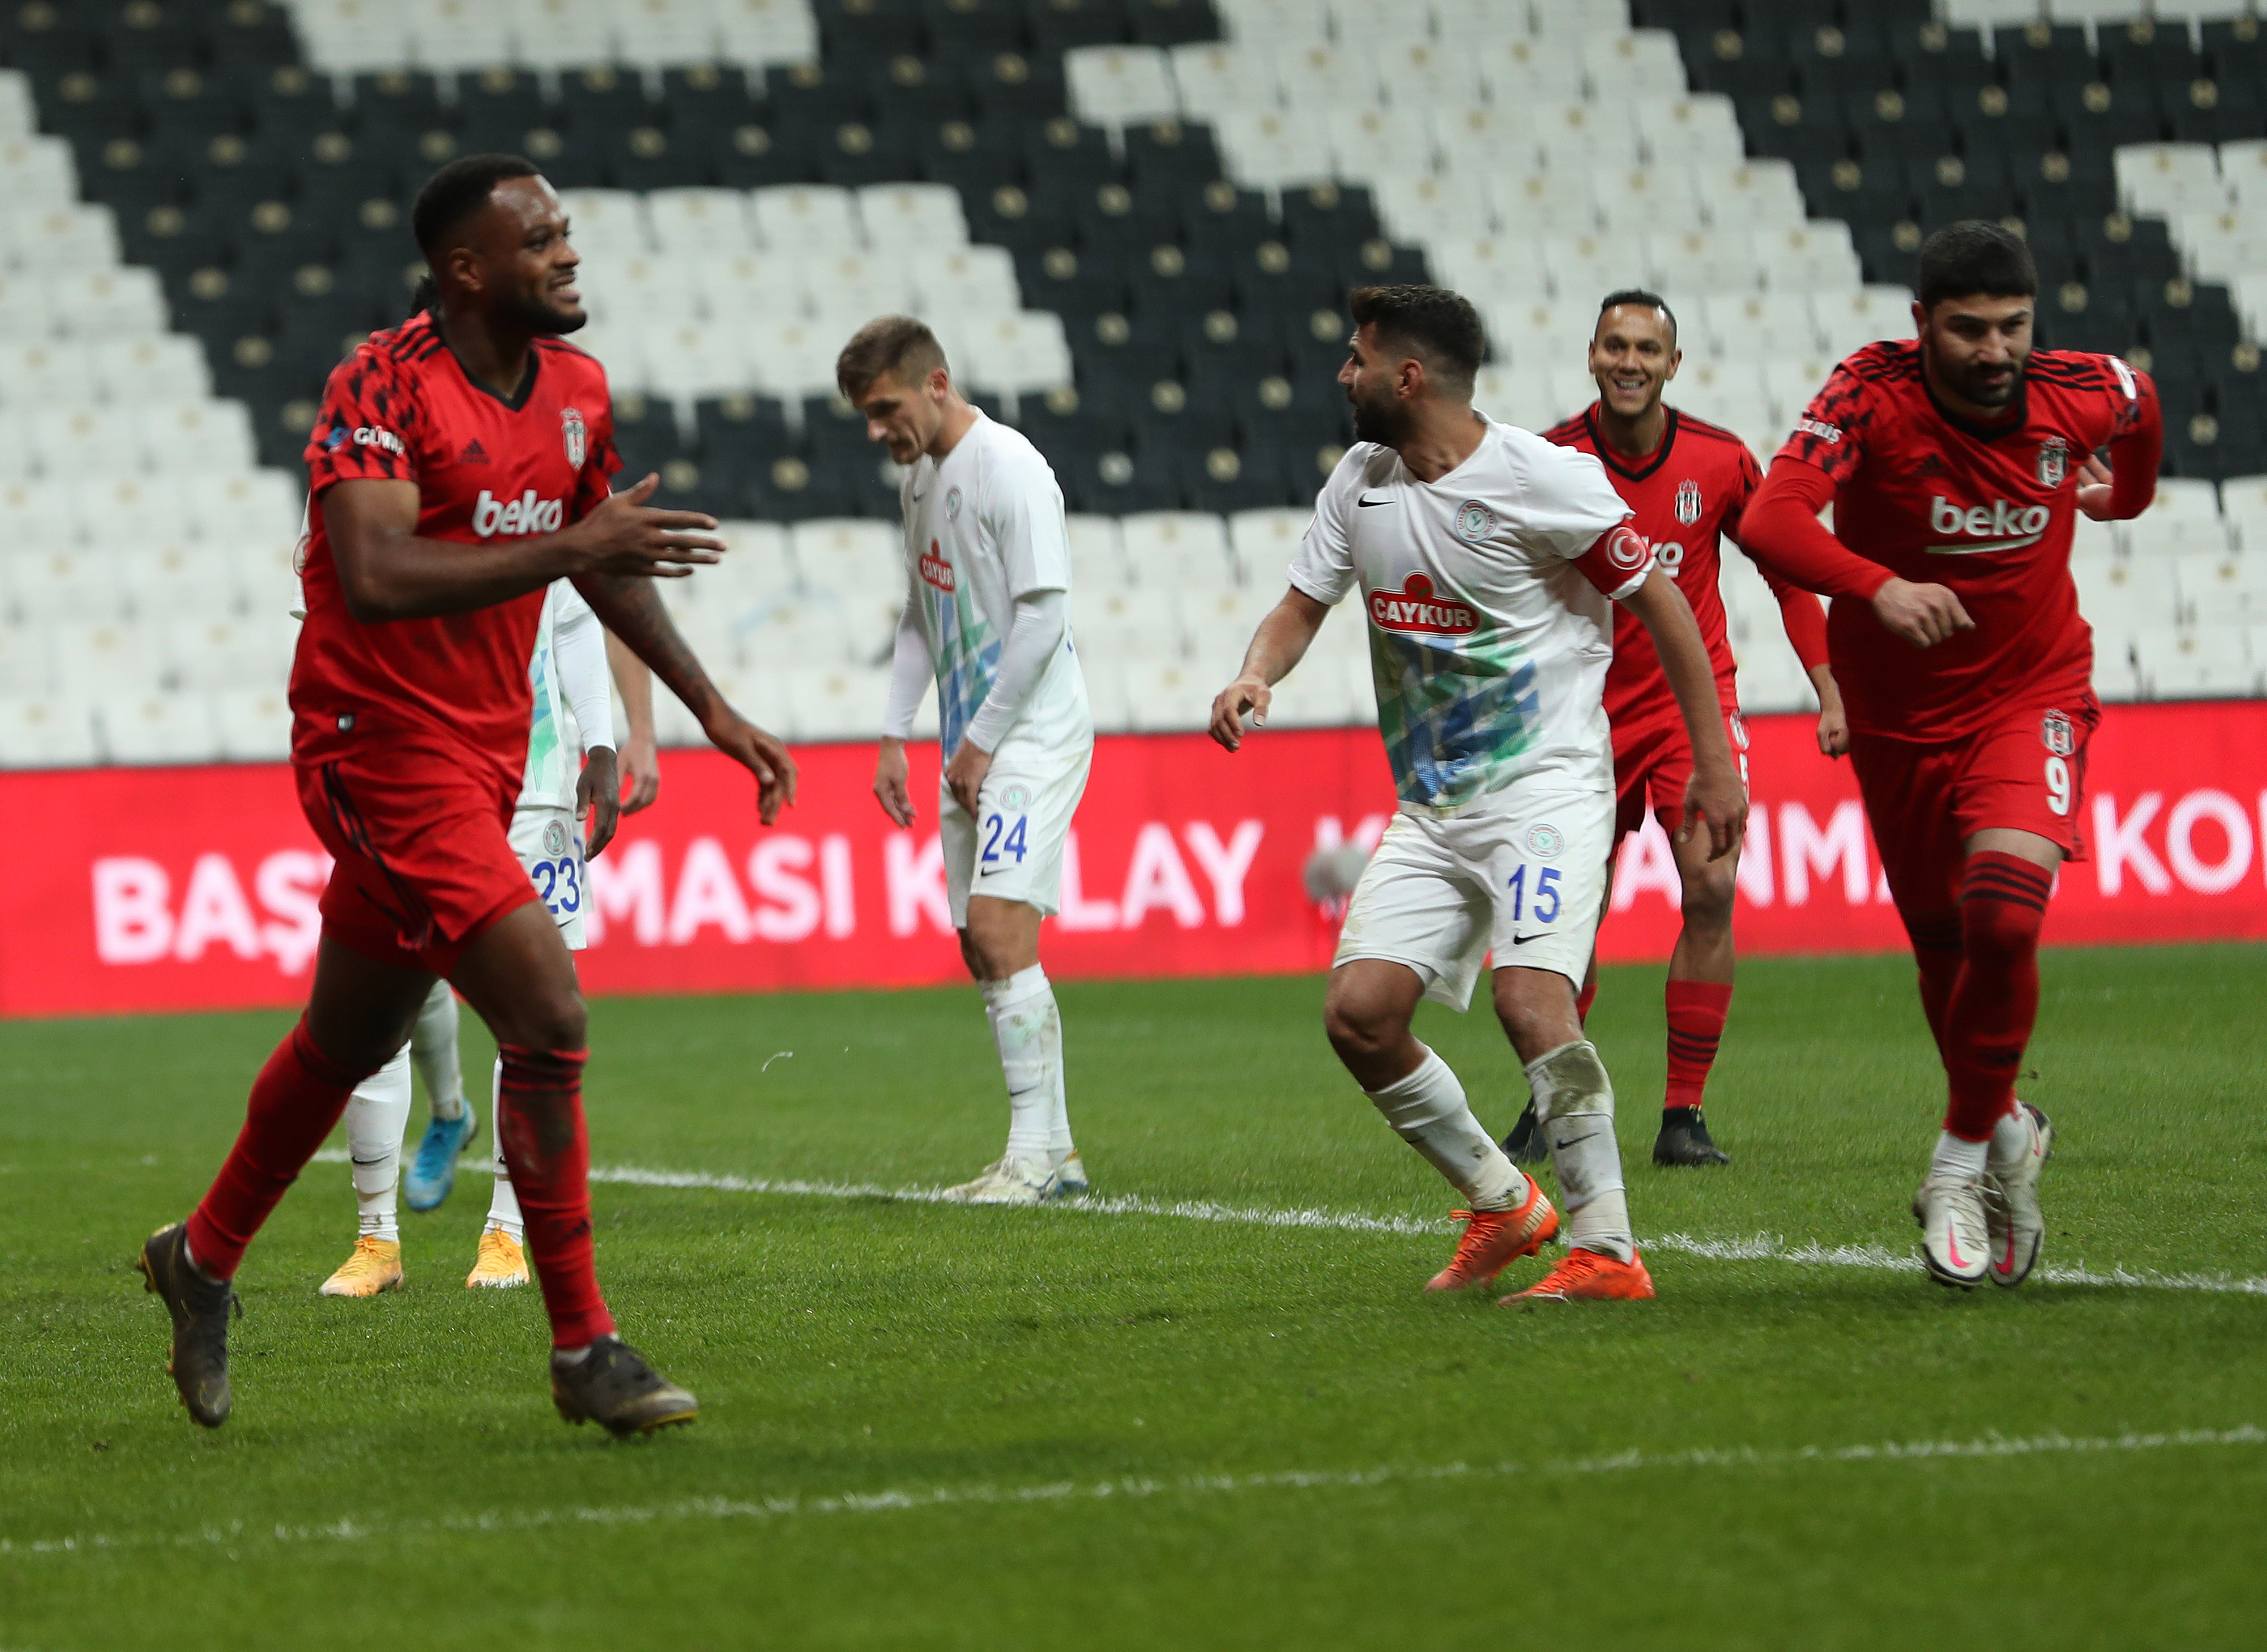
(1486, 558)
(987, 616)
(568, 672)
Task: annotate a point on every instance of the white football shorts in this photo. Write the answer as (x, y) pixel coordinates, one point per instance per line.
(549, 844)
(1523, 876)
(1013, 849)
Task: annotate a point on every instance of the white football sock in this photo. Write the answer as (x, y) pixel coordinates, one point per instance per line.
(1957, 1157)
(1059, 1146)
(1028, 1030)
(1428, 1111)
(1574, 1102)
(433, 1046)
(2011, 1137)
(376, 1113)
(503, 1203)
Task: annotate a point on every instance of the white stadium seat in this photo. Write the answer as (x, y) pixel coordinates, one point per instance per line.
(251, 724)
(1120, 85)
(1179, 549)
(37, 732)
(44, 587)
(157, 728)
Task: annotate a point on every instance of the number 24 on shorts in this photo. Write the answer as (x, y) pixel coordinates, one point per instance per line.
(1546, 894)
(996, 848)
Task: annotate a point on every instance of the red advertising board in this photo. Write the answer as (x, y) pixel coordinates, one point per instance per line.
(180, 888)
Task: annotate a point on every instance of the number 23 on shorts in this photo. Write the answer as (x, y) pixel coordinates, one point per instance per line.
(997, 848)
(558, 885)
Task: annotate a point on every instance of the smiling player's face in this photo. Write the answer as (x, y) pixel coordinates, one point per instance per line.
(1634, 355)
(527, 261)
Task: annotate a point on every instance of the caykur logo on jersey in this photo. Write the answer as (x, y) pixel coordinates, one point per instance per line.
(576, 437)
(1415, 608)
(1978, 528)
(935, 570)
(492, 517)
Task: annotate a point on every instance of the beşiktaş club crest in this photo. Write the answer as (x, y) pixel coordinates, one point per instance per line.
(2056, 733)
(1687, 502)
(576, 435)
(2054, 462)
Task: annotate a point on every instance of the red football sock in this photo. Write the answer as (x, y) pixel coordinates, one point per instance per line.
(1935, 938)
(1695, 1025)
(297, 1098)
(2002, 902)
(1586, 997)
(540, 1121)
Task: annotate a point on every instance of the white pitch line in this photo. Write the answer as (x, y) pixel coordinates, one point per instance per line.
(1761, 1247)
(985, 1494)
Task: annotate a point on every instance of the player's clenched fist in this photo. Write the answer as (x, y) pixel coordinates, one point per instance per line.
(1228, 707)
(1923, 615)
(625, 535)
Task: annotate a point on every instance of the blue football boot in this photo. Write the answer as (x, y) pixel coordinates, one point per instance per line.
(433, 1173)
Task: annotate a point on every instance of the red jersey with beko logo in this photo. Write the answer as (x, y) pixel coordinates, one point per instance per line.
(1683, 496)
(402, 408)
(1984, 509)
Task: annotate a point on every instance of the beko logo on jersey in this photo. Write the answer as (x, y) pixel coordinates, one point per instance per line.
(935, 570)
(365, 436)
(1414, 608)
(524, 514)
(1998, 526)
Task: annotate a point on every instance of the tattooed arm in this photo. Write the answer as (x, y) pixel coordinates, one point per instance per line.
(631, 609)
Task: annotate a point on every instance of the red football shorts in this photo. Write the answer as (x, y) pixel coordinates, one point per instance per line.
(419, 836)
(2026, 772)
(1653, 761)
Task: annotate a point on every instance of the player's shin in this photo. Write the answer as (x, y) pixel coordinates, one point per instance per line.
(295, 1102)
(1027, 1028)
(377, 1114)
(433, 1047)
(1935, 938)
(1574, 1100)
(1428, 1110)
(539, 1117)
(2003, 903)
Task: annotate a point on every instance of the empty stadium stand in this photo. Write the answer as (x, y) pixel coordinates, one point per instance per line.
(1134, 222)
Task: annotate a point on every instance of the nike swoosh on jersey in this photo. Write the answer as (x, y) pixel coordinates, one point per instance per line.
(1366, 503)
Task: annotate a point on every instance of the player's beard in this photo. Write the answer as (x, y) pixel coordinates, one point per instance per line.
(546, 319)
(1385, 419)
(1972, 387)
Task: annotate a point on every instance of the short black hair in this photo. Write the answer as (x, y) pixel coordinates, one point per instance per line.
(458, 191)
(1975, 256)
(1650, 301)
(1428, 321)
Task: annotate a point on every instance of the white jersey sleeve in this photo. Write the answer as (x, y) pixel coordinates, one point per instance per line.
(1020, 506)
(1324, 566)
(578, 647)
(1569, 502)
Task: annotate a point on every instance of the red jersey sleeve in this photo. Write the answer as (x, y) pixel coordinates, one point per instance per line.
(595, 480)
(1832, 431)
(2137, 443)
(368, 428)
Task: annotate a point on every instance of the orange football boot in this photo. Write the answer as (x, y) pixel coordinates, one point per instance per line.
(1494, 1238)
(1591, 1277)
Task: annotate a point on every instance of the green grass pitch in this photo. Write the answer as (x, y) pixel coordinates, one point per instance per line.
(1161, 1427)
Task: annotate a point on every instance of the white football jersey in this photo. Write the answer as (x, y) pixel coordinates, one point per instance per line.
(1486, 592)
(554, 761)
(983, 528)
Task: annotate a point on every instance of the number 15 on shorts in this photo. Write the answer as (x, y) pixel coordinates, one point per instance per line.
(1544, 895)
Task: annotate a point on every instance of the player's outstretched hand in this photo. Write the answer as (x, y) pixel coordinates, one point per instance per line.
(762, 755)
(1923, 615)
(890, 788)
(2093, 493)
(598, 801)
(1228, 707)
(625, 537)
(1714, 795)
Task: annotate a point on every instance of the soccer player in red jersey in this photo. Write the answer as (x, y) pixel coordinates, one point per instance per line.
(1955, 463)
(458, 466)
(1685, 481)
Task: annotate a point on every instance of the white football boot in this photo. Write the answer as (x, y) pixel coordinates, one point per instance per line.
(2011, 1201)
(1008, 1181)
(1069, 1179)
(1955, 1240)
